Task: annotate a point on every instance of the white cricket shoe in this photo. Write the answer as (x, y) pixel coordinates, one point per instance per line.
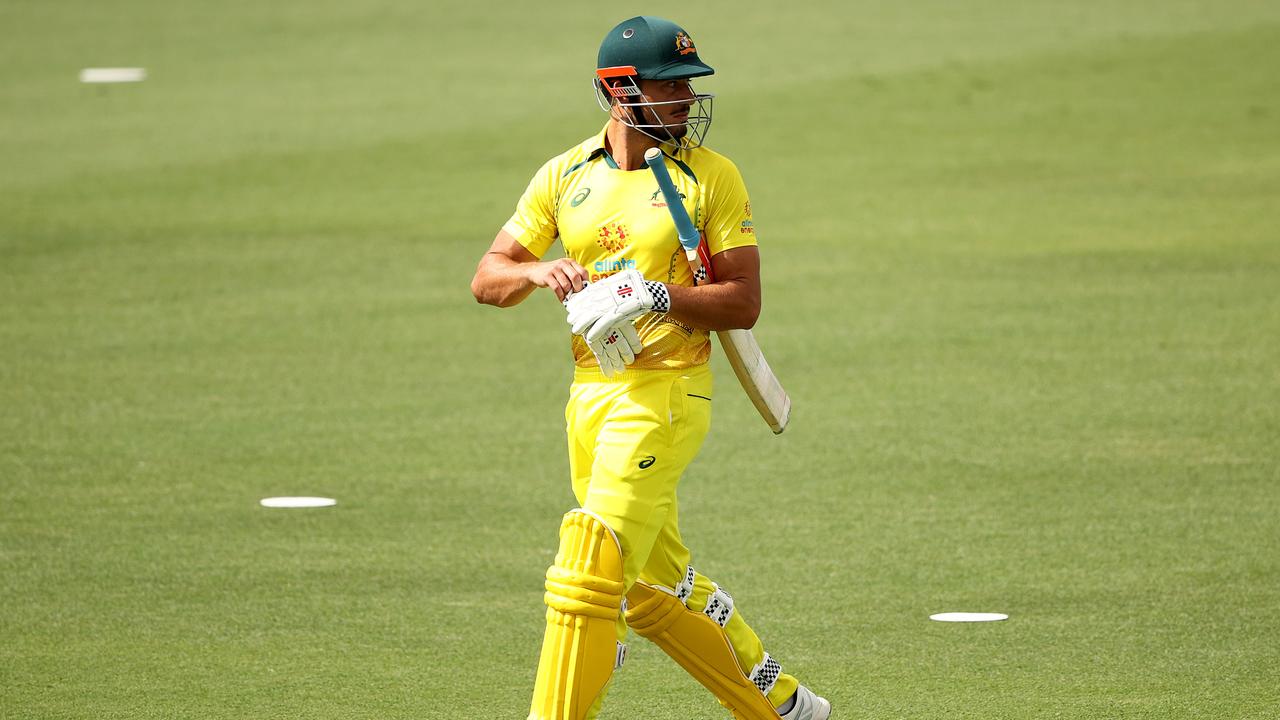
(808, 706)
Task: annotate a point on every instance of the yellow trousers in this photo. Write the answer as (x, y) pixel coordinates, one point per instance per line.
(630, 438)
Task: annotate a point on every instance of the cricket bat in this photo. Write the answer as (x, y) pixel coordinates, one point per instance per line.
(740, 346)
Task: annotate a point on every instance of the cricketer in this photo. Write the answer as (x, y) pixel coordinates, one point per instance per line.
(640, 403)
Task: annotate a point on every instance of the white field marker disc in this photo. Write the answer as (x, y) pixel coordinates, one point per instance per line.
(297, 502)
(113, 75)
(968, 617)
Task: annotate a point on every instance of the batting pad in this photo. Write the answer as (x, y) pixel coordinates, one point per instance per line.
(584, 597)
(698, 643)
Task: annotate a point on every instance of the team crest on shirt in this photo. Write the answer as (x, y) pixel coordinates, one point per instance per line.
(656, 199)
(684, 44)
(613, 237)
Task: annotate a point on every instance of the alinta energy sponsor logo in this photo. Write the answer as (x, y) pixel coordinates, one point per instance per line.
(604, 268)
(747, 228)
(657, 200)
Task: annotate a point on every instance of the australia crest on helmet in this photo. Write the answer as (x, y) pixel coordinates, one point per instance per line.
(684, 44)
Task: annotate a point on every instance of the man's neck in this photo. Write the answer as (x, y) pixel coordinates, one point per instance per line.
(627, 145)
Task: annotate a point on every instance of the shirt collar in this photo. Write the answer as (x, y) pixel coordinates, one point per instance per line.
(596, 142)
(594, 147)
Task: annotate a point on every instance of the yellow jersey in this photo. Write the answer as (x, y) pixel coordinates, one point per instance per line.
(610, 220)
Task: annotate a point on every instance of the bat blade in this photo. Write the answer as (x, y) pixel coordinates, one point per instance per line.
(756, 377)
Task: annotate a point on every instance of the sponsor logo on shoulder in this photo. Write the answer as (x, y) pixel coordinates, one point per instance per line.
(646, 463)
(747, 227)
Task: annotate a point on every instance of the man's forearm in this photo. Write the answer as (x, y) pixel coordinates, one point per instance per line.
(727, 305)
(501, 281)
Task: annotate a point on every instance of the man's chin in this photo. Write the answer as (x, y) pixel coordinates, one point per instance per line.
(677, 131)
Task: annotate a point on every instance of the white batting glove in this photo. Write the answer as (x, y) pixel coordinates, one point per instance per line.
(603, 305)
(617, 349)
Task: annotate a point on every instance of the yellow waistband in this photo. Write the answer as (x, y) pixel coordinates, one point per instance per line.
(593, 374)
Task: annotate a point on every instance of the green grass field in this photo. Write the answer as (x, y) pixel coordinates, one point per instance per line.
(1022, 278)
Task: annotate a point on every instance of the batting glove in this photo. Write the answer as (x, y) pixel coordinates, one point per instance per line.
(603, 305)
(617, 349)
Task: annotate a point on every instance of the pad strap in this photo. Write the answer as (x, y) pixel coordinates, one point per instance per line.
(766, 674)
(685, 588)
(719, 606)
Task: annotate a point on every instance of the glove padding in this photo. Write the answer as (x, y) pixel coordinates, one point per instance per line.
(617, 348)
(603, 305)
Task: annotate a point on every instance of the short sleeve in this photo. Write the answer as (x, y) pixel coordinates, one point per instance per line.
(534, 223)
(728, 211)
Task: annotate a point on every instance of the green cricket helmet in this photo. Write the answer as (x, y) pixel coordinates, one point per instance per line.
(651, 48)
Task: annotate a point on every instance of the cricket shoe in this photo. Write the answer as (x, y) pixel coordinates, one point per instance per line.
(808, 706)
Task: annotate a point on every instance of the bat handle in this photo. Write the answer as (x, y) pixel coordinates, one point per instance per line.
(685, 231)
